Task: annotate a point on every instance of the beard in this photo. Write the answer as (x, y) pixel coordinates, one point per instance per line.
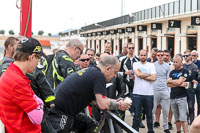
(143, 60)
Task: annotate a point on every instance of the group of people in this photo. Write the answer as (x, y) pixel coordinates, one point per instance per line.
(68, 90)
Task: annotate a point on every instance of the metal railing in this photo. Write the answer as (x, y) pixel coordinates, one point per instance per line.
(119, 122)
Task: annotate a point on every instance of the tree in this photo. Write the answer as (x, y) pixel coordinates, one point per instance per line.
(32, 33)
(49, 34)
(2, 32)
(41, 32)
(11, 32)
(60, 33)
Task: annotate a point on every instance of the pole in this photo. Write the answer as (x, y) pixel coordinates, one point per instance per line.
(26, 18)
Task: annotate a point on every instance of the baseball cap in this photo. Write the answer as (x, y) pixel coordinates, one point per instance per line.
(30, 45)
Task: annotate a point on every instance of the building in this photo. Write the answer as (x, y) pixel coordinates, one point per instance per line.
(174, 26)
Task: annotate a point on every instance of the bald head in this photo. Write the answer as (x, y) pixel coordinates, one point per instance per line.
(108, 60)
(177, 61)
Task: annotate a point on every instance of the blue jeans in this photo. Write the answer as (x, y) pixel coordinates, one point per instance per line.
(191, 101)
(197, 92)
(147, 103)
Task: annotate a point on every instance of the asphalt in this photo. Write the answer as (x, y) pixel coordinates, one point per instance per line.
(129, 120)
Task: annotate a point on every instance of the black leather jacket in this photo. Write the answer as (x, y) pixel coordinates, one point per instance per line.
(118, 87)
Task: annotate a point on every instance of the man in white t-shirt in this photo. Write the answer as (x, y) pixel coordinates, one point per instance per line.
(145, 74)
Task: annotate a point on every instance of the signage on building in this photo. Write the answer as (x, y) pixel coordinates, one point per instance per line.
(94, 34)
(84, 35)
(89, 34)
(99, 33)
(130, 29)
(105, 32)
(141, 28)
(156, 26)
(195, 20)
(120, 30)
(174, 23)
(112, 31)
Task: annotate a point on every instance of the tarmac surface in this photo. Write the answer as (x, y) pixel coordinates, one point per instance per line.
(129, 120)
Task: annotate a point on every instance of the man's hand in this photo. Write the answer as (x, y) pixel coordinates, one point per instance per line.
(124, 105)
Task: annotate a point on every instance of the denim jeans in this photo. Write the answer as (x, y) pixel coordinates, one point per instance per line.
(191, 101)
(146, 102)
(197, 92)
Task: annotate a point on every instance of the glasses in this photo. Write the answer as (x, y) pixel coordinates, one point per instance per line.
(160, 55)
(81, 51)
(194, 55)
(84, 60)
(131, 48)
(187, 55)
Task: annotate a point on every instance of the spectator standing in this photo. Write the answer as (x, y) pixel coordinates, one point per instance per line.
(152, 57)
(195, 56)
(124, 51)
(108, 48)
(161, 90)
(178, 97)
(91, 53)
(62, 64)
(192, 69)
(145, 74)
(20, 109)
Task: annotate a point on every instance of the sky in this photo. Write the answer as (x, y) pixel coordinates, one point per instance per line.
(54, 16)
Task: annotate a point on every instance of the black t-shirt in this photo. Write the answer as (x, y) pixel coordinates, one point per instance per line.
(178, 92)
(79, 89)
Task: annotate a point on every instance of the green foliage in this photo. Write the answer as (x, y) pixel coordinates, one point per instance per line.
(2, 32)
(41, 32)
(11, 32)
(49, 34)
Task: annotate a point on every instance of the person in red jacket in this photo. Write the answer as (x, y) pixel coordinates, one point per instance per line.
(20, 109)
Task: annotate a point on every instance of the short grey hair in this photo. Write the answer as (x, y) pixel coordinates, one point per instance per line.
(108, 60)
(74, 42)
(179, 55)
(194, 51)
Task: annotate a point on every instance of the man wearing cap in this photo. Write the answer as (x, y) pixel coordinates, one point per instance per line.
(20, 109)
(62, 64)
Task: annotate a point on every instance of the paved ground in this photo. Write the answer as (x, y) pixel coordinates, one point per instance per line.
(129, 120)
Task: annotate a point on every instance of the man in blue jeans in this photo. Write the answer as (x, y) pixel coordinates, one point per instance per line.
(145, 74)
(192, 68)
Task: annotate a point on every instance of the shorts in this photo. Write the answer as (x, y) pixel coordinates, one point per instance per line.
(179, 108)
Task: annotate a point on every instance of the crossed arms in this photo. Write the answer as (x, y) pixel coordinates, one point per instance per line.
(177, 82)
(145, 76)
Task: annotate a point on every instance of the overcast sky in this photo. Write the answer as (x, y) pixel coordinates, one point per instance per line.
(53, 16)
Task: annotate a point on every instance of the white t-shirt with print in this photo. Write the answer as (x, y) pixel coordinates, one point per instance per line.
(141, 86)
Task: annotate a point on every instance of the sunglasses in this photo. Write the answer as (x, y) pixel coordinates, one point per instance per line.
(81, 51)
(194, 55)
(84, 60)
(131, 48)
(185, 56)
(160, 55)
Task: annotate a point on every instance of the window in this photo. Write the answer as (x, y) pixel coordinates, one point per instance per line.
(176, 7)
(188, 5)
(157, 12)
(194, 5)
(171, 8)
(153, 12)
(146, 14)
(182, 6)
(149, 13)
(166, 9)
(162, 11)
